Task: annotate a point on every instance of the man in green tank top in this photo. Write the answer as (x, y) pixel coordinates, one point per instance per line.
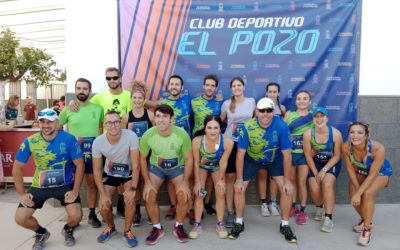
(85, 125)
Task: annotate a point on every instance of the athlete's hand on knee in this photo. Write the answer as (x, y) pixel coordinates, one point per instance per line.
(197, 188)
(148, 187)
(221, 186)
(26, 200)
(184, 188)
(239, 186)
(129, 197)
(355, 200)
(288, 187)
(320, 176)
(70, 196)
(104, 202)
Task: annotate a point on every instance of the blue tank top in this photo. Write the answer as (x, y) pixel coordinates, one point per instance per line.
(211, 160)
(364, 167)
(324, 151)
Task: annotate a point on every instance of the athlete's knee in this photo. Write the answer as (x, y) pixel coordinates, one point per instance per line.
(74, 212)
(21, 217)
(368, 195)
(152, 198)
(181, 197)
(219, 194)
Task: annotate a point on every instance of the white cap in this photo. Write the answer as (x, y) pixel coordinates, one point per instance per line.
(264, 103)
(48, 113)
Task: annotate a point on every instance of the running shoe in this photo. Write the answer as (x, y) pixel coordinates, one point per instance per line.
(94, 221)
(327, 226)
(68, 236)
(230, 219)
(360, 226)
(264, 210)
(209, 209)
(302, 218)
(180, 234)
(365, 237)
(106, 234)
(130, 239)
(273, 208)
(40, 239)
(319, 214)
(236, 230)
(154, 236)
(293, 212)
(137, 220)
(221, 230)
(170, 214)
(288, 233)
(197, 229)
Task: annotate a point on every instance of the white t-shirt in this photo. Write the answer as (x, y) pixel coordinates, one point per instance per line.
(243, 113)
(118, 160)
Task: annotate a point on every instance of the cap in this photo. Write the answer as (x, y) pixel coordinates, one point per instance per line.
(320, 109)
(264, 103)
(48, 113)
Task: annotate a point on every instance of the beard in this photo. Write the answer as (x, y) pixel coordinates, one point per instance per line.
(82, 97)
(114, 87)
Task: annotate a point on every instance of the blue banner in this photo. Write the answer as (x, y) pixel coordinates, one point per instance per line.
(302, 45)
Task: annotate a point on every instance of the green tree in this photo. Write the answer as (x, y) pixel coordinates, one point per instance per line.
(17, 62)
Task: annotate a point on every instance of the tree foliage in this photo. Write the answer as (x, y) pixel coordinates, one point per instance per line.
(16, 61)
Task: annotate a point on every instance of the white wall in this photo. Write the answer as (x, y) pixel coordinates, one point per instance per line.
(91, 41)
(92, 44)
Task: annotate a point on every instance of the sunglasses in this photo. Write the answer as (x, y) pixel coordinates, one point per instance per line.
(115, 123)
(268, 110)
(44, 113)
(109, 78)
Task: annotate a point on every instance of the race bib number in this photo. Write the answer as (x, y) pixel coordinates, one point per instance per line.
(119, 170)
(212, 163)
(297, 142)
(167, 163)
(323, 156)
(362, 172)
(52, 178)
(86, 146)
(184, 123)
(138, 127)
(236, 128)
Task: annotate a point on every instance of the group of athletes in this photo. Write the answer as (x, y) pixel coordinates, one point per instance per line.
(128, 145)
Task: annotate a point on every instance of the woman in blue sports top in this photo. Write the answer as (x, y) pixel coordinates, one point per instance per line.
(211, 150)
(368, 172)
(321, 146)
(299, 121)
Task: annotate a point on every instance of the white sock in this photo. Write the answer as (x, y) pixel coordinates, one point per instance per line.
(178, 224)
(284, 222)
(239, 220)
(157, 225)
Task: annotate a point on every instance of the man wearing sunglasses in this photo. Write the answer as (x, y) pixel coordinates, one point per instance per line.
(120, 147)
(264, 143)
(115, 98)
(55, 154)
(86, 125)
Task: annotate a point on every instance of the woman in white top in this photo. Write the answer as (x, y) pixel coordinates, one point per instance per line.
(235, 111)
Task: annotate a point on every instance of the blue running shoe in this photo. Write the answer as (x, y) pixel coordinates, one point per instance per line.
(106, 234)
